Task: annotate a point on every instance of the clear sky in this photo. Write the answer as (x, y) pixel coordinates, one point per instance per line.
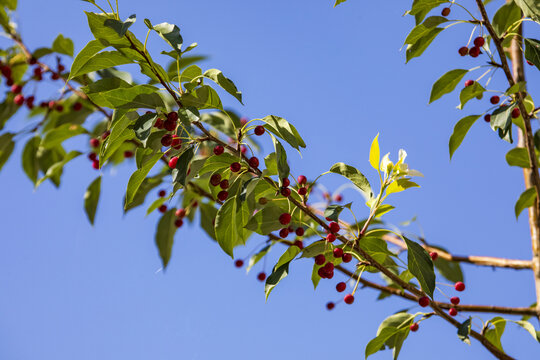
(72, 291)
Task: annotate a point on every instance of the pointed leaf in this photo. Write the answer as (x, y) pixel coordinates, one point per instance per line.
(421, 266)
(91, 199)
(165, 236)
(446, 84)
(353, 175)
(375, 153)
(526, 200)
(460, 130)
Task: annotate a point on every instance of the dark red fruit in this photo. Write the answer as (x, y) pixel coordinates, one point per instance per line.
(452, 312)
(235, 167)
(215, 179)
(434, 255)
(338, 198)
(224, 184)
(285, 191)
(10, 82)
(479, 41)
(158, 124)
(261, 276)
(341, 286)
(19, 100)
(162, 208)
(95, 164)
(162, 193)
(414, 327)
(459, 286)
(474, 51)
(223, 195)
(329, 266)
(423, 301)
(176, 142)
(16, 89)
(172, 116)
(169, 125)
(59, 108)
(454, 300)
(515, 113)
(253, 162)
(283, 233)
(300, 231)
(334, 227)
(285, 182)
(6, 71)
(320, 259)
(302, 191)
(463, 50)
(347, 257)
(243, 149)
(259, 130)
(32, 61)
(239, 263)
(61, 67)
(180, 213)
(94, 142)
(469, 83)
(55, 76)
(494, 99)
(105, 134)
(299, 243)
(77, 106)
(530, 63)
(349, 299)
(338, 252)
(445, 11)
(487, 117)
(301, 180)
(173, 162)
(218, 150)
(178, 223)
(92, 156)
(330, 305)
(285, 219)
(330, 237)
(166, 140)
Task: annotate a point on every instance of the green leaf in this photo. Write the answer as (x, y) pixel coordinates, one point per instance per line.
(91, 199)
(143, 126)
(218, 163)
(10, 4)
(501, 121)
(424, 6)
(6, 147)
(517, 87)
(377, 343)
(530, 328)
(532, 51)
(84, 56)
(104, 60)
(227, 85)
(284, 130)
(421, 30)
(266, 220)
(120, 27)
(339, 2)
(105, 34)
(271, 164)
(446, 84)
(383, 209)
(126, 97)
(7, 109)
(421, 266)
(179, 173)
(464, 330)
(165, 236)
(470, 92)
(119, 134)
(353, 175)
(375, 153)
(208, 216)
(147, 185)
(526, 200)
(518, 157)
(60, 134)
(400, 185)
(157, 203)
(63, 45)
(229, 225)
(314, 249)
(451, 270)
(494, 334)
(29, 158)
(460, 130)
(332, 211)
(190, 73)
(171, 34)
(507, 15)
(531, 8)
(401, 321)
(138, 176)
(275, 277)
(422, 44)
(281, 157)
(203, 97)
(258, 256)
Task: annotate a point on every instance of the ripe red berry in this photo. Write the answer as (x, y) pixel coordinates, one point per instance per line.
(283, 233)
(61, 67)
(180, 213)
(322, 273)
(479, 41)
(235, 167)
(487, 117)
(176, 142)
(347, 257)
(338, 252)
(178, 223)
(239, 263)
(166, 140)
(463, 50)
(299, 243)
(515, 113)
(330, 305)
(285, 219)
(105, 134)
(223, 195)
(423, 301)
(338, 198)
(330, 237)
(474, 51)
(19, 100)
(37, 71)
(172, 116)
(77, 106)
(434, 255)
(59, 108)
(92, 156)
(341, 286)
(52, 104)
(494, 99)
(6, 71)
(94, 142)
(243, 120)
(302, 191)
(55, 76)
(334, 227)
(469, 83)
(445, 11)
(173, 161)
(10, 82)
(16, 89)
(285, 191)
(162, 193)
(452, 312)
(95, 164)
(243, 149)
(530, 63)
(32, 61)
(300, 231)
(218, 150)
(285, 182)
(259, 130)
(215, 179)
(224, 184)
(162, 208)
(301, 180)
(414, 327)
(128, 154)
(329, 266)
(158, 124)
(253, 162)
(349, 299)
(459, 286)
(169, 125)
(320, 259)
(261, 276)
(454, 300)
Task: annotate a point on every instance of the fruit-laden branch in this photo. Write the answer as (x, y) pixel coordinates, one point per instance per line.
(532, 177)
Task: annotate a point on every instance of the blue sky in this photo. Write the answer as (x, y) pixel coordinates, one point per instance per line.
(72, 291)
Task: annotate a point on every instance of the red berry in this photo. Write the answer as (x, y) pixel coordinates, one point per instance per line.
(347, 258)
(180, 213)
(223, 195)
(19, 100)
(338, 198)
(218, 150)
(329, 266)
(92, 156)
(32, 61)
(253, 162)
(341, 286)
(299, 243)
(322, 273)
(302, 191)
(452, 312)
(338, 252)
(37, 71)
(434, 255)
(95, 164)
(285, 182)
(59, 108)
(259, 130)
(166, 140)
(61, 67)
(172, 116)
(128, 154)
(158, 124)
(6, 71)
(474, 51)
(445, 11)
(224, 184)
(94, 142)
(334, 227)
(463, 50)
(301, 180)
(285, 219)
(285, 191)
(10, 82)
(55, 76)
(494, 99)
(173, 162)
(243, 149)
(515, 113)
(215, 179)
(239, 263)
(235, 167)
(487, 117)
(52, 104)
(169, 125)
(300, 231)
(283, 233)
(530, 63)
(16, 89)
(459, 286)
(178, 223)
(162, 193)
(330, 237)
(104, 135)
(243, 120)
(162, 208)
(320, 259)
(469, 83)
(349, 299)
(423, 301)
(176, 142)
(77, 106)
(261, 276)
(414, 327)
(330, 305)
(454, 300)
(479, 41)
